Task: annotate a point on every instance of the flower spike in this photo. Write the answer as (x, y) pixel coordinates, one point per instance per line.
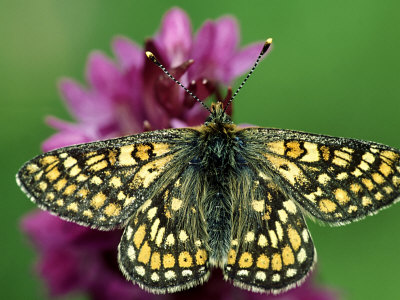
(153, 58)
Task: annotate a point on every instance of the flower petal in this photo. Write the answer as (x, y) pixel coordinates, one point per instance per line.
(103, 74)
(201, 52)
(128, 53)
(226, 39)
(84, 105)
(175, 36)
(65, 138)
(242, 61)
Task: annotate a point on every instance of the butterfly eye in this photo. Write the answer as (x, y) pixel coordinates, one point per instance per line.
(239, 141)
(195, 161)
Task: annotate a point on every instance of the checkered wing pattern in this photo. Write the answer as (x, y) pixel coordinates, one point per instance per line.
(163, 247)
(336, 180)
(271, 248)
(102, 184)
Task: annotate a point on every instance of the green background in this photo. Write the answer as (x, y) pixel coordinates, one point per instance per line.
(334, 70)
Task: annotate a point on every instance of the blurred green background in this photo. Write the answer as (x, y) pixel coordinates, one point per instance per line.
(334, 69)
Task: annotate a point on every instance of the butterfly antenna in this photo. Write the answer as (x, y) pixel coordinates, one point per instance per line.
(267, 44)
(152, 57)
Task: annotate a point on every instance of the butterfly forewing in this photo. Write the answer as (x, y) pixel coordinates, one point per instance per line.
(274, 251)
(158, 250)
(336, 180)
(101, 184)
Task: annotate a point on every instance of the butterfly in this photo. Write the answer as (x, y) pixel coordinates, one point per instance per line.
(217, 195)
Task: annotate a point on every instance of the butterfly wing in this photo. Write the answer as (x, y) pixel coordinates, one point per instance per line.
(101, 184)
(336, 180)
(163, 247)
(273, 251)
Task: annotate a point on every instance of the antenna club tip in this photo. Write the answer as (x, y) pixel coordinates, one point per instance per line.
(267, 44)
(151, 56)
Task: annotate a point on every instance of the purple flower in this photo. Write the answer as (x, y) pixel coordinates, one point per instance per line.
(127, 96)
(130, 95)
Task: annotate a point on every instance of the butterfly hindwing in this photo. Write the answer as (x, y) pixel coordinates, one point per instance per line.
(101, 184)
(158, 249)
(274, 251)
(336, 180)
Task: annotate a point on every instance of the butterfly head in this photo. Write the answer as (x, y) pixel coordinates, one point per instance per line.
(218, 115)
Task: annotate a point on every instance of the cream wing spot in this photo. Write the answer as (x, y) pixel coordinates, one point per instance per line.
(170, 240)
(323, 178)
(131, 253)
(160, 235)
(276, 277)
(187, 273)
(277, 147)
(176, 204)
(125, 157)
(121, 195)
(357, 172)
(242, 273)
(312, 153)
(160, 148)
(115, 182)
(129, 232)
(291, 272)
(96, 180)
(290, 206)
(283, 216)
(249, 237)
(301, 256)
(183, 236)
(75, 170)
(342, 196)
(39, 175)
(155, 277)
(368, 157)
(69, 162)
(342, 176)
(82, 177)
(112, 210)
(279, 230)
(258, 205)
(43, 185)
(140, 270)
(305, 235)
(366, 201)
(154, 228)
(262, 241)
(32, 168)
(94, 159)
(73, 207)
(50, 196)
(88, 213)
(273, 238)
(363, 166)
(98, 200)
(151, 213)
